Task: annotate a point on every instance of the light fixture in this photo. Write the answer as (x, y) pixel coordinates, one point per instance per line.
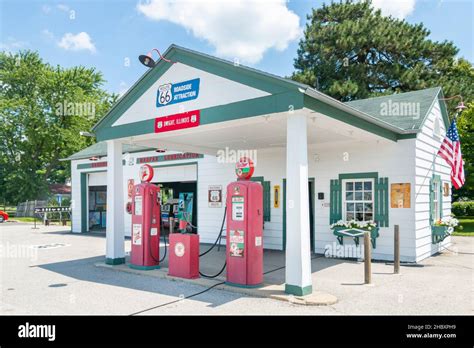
(94, 158)
(147, 60)
(160, 150)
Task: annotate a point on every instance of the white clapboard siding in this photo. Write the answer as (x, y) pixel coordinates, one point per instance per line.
(427, 164)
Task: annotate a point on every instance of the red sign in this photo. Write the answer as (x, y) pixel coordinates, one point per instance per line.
(146, 173)
(177, 121)
(244, 168)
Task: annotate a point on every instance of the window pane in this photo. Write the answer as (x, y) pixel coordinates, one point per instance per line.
(359, 216)
(368, 186)
(349, 207)
(349, 186)
(358, 196)
(368, 207)
(368, 216)
(359, 207)
(358, 185)
(367, 196)
(349, 196)
(349, 216)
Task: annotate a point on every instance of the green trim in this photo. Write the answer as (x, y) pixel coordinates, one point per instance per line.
(298, 290)
(368, 175)
(284, 215)
(436, 179)
(89, 166)
(348, 118)
(116, 261)
(84, 180)
(407, 136)
(221, 113)
(143, 268)
(444, 110)
(243, 285)
(266, 196)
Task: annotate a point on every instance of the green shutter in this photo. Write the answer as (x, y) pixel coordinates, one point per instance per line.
(266, 201)
(432, 212)
(381, 202)
(335, 201)
(435, 179)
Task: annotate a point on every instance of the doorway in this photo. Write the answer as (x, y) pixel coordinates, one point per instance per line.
(311, 213)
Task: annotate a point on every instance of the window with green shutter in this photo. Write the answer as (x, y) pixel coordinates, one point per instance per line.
(360, 197)
(266, 197)
(436, 199)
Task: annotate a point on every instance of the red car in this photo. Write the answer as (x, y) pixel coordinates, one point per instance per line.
(3, 216)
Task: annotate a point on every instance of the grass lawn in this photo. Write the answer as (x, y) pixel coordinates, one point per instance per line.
(467, 222)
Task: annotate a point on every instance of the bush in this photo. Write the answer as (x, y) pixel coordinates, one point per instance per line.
(463, 208)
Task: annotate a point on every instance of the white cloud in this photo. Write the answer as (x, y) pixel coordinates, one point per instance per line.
(396, 8)
(79, 42)
(242, 29)
(11, 44)
(123, 88)
(63, 7)
(47, 34)
(46, 9)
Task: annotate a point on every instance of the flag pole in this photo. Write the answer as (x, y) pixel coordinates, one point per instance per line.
(459, 110)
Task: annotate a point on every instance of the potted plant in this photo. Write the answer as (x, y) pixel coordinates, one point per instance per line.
(442, 228)
(355, 229)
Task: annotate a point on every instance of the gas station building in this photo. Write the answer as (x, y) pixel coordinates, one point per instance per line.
(319, 160)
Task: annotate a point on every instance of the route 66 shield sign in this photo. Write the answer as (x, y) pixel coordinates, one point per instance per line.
(165, 95)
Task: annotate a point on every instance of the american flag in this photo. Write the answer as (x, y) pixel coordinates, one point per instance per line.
(450, 150)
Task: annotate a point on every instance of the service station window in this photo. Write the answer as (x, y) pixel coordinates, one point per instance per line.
(436, 205)
(358, 199)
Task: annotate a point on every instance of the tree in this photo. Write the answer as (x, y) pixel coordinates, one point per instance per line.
(350, 51)
(42, 110)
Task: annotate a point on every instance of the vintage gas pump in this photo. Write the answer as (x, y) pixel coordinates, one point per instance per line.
(145, 210)
(244, 228)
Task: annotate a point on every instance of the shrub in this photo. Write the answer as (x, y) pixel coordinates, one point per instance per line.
(463, 208)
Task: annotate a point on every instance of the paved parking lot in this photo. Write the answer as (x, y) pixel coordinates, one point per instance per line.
(51, 271)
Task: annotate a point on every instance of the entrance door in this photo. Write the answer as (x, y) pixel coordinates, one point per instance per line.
(311, 212)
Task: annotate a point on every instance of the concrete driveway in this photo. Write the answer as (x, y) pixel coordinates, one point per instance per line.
(51, 271)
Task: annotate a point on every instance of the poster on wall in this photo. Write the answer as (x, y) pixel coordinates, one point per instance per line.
(446, 189)
(400, 195)
(214, 196)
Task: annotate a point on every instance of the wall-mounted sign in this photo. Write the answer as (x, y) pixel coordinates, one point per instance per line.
(170, 157)
(445, 189)
(400, 195)
(177, 121)
(276, 196)
(172, 93)
(214, 196)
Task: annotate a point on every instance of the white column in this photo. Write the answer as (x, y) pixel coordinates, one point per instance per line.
(298, 251)
(115, 235)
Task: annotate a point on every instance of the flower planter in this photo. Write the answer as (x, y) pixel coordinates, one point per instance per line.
(355, 233)
(439, 233)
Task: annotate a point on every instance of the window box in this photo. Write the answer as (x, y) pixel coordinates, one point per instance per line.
(443, 228)
(340, 232)
(439, 233)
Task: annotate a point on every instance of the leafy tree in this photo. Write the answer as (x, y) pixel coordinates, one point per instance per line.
(465, 125)
(42, 110)
(350, 51)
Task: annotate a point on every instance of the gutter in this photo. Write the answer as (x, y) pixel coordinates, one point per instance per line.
(362, 115)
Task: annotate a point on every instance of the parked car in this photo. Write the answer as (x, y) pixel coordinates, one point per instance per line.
(3, 216)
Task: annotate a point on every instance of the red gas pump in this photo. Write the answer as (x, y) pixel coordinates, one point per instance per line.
(145, 222)
(244, 228)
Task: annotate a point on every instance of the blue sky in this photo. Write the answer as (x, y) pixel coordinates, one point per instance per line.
(109, 35)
